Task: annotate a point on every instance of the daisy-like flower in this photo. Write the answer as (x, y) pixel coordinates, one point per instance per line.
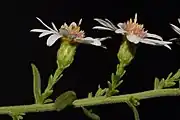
(72, 33)
(177, 30)
(133, 31)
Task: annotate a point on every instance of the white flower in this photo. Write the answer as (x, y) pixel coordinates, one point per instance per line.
(71, 32)
(133, 31)
(175, 28)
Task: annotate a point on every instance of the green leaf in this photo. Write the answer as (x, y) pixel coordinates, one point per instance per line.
(109, 85)
(64, 100)
(57, 79)
(113, 79)
(156, 83)
(103, 91)
(122, 74)
(58, 64)
(116, 77)
(176, 76)
(161, 84)
(91, 115)
(48, 101)
(50, 81)
(36, 84)
(100, 91)
(169, 76)
(120, 70)
(20, 117)
(17, 116)
(119, 83)
(57, 74)
(113, 92)
(90, 95)
(134, 101)
(46, 94)
(169, 84)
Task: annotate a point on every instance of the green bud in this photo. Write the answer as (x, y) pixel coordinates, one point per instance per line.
(126, 52)
(65, 54)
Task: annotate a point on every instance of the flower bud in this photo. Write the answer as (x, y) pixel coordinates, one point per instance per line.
(126, 52)
(65, 54)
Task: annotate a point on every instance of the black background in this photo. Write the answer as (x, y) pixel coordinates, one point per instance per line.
(92, 65)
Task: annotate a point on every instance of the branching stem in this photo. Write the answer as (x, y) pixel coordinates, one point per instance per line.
(92, 101)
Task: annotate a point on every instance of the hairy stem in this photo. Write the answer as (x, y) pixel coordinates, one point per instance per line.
(27, 108)
(125, 98)
(92, 101)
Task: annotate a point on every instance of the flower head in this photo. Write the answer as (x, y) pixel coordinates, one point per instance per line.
(133, 31)
(71, 33)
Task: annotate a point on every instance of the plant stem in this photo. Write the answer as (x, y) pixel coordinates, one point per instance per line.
(92, 101)
(27, 108)
(124, 98)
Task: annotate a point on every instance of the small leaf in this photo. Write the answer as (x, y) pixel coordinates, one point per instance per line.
(109, 85)
(169, 76)
(169, 84)
(59, 78)
(120, 70)
(90, 95)
(123, 73)
(161, 84)
(46, 94)
(113, 92)
(20, 117)
(50, 81)
(112, 78)
(58, 64)
(134, 101)
(116, 77)
(57, 74)
(117, 68)
(91, 115)
(176, 76)
(64, 100)
(36, 84)
(119, 83)
(22, 113)
(48, 101)
(100, 92)
(17, 116)
(156, 83)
